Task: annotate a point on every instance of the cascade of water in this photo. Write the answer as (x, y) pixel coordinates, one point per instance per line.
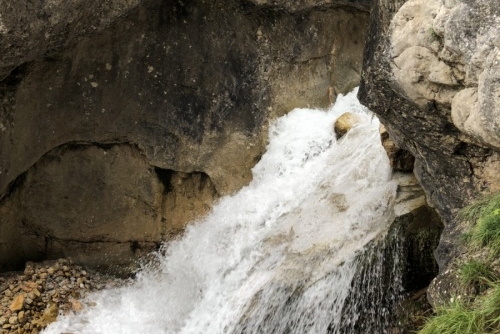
(286, 254)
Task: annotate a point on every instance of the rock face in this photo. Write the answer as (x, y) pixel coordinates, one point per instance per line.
(401, 160)
(420, 228)
(124, 119)
(431, 74)
(31, 30)
(84, 200)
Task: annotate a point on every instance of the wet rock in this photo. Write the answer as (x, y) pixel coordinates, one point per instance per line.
(345, 122)
(76, 305)
(49, 315)
(420, 229)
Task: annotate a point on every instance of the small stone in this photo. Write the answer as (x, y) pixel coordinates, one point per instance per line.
(8, 293)
(76, 305)
(21, 317)
(17, 303)
(13, 320)
(28, 271)
(346, 122)
(31, 295)
(29, 286)
(3, 321)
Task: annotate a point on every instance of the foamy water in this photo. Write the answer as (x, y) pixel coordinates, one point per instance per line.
(278, 256)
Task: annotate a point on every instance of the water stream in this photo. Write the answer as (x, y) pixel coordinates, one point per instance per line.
(300, 250)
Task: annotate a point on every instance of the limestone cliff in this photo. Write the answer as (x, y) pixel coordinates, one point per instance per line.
(121, 120)
(432, 73)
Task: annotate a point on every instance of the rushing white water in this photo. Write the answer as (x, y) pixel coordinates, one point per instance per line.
(279, 256)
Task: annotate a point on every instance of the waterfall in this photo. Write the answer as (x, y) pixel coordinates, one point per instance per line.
(302, 249)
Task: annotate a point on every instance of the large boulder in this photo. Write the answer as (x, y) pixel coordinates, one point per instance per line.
(431, 75)
(122, 120)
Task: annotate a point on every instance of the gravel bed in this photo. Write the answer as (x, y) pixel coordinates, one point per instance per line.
(32, 299)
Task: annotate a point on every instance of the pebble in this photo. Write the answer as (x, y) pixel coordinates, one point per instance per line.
(30, 300)
(17, 303)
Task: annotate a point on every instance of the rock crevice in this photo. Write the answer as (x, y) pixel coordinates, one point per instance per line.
(431, 75)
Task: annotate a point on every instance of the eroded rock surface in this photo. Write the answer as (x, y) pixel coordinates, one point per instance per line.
(123, 120)
(431, 74)
(34, 29)
(104, 206)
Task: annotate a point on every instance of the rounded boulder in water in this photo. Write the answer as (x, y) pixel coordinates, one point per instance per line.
(346, 122)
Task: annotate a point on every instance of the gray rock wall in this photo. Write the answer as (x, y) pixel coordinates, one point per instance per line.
(431, 74)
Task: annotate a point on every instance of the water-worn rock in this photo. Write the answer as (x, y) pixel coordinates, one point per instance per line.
(102, 116)
(431, 74)
(345, 122)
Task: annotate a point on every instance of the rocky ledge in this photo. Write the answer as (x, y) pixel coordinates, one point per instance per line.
(32, 299)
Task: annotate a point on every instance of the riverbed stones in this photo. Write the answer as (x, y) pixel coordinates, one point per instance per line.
(38, 301)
